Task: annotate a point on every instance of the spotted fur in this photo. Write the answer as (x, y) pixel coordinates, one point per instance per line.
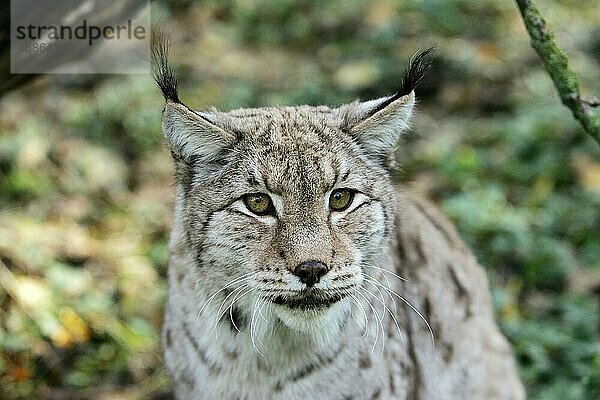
(240, 324)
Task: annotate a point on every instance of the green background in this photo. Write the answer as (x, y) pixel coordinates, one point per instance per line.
(86, 179)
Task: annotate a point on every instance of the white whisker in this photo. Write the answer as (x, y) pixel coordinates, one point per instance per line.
(389, 285)
(377, 317)
(382, 314)
(364, 314)
(387, 271)
(236, 298)
(386, 308)
(260, 306)
(236, 280)
(253, 328)
(260, 311)
(221, 311)
(411, 306)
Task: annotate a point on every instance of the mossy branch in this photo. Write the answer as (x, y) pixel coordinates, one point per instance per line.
(556, 63)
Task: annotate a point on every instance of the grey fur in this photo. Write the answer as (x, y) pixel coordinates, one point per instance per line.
(229, 332)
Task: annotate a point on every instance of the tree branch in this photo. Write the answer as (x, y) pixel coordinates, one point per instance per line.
(556, 63)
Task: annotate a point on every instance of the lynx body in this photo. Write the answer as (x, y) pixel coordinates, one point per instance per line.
(299, 270)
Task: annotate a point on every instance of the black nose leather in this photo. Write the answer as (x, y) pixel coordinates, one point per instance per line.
(310, 272)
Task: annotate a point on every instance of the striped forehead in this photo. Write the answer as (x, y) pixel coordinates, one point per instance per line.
(279, 124)
(303, 169)
(292, 156)
(293, 149)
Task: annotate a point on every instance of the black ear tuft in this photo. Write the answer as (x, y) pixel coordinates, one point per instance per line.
(418, 65)
(161, 70)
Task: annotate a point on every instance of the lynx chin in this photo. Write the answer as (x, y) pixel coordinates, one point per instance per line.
(299, 270)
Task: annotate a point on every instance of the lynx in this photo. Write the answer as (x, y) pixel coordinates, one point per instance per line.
(299, 270)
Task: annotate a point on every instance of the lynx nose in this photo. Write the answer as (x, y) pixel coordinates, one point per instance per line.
(310, 272)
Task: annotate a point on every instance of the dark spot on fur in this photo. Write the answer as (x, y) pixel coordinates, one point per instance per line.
(246, 115)
(234, 317)
(418, 246)
(186, 379)
(168, 339)
(345, 176)
(341, 277)
(179, 276)
(199, 262)
(428, 314)
(401, 251)
(461, 292)
(272, 281)
(415, 370)
(231, 354)
(211, 365)
(260, 364)
(376, 394)
(320, 363)
(252, 181)
(365, 361)
(237, 318)
(447, 235)
(392, 383)
(447, 351)
(427, 308)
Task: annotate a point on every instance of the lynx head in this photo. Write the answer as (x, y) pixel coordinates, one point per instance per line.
(296, 203)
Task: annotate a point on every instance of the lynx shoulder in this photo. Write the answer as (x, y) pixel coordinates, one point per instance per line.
(298, 269)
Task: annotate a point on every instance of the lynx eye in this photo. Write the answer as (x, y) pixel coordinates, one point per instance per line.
(340, 199)
(259, 203)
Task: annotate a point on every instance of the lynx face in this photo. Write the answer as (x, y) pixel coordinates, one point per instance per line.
(291, 206)
(294, 204)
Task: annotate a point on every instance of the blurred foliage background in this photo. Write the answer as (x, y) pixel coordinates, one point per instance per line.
(86, 187)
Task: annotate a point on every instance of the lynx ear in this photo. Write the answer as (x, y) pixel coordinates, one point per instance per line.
(377, 124)
(192, 136)
(380, 122)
